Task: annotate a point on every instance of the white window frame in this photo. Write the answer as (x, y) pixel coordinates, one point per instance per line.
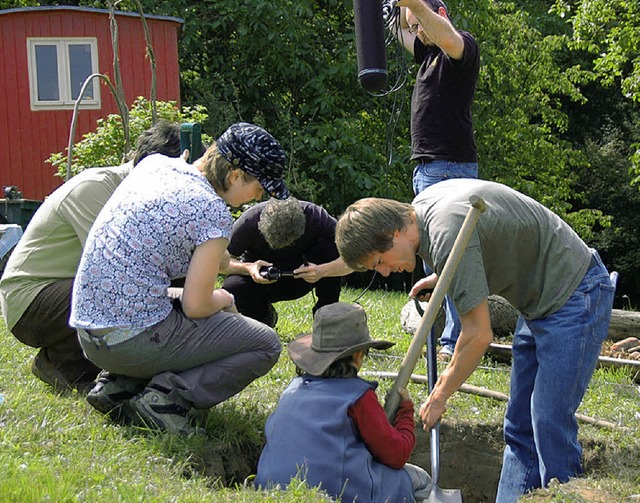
(66, 101)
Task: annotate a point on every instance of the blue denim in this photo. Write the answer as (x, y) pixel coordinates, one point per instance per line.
(553, 360)
(424, 175)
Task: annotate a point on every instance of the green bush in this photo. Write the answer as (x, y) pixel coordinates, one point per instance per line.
(105, 146)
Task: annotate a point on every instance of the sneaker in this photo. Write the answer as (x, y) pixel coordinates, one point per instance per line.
(111, 391)
(47, 371)
(445, 354)
(154, 409)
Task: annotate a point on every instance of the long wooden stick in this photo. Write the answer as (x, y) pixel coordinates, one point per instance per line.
(496, 395)
(433, 306)
(505, 350)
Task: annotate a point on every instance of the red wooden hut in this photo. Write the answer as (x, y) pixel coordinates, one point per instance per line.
(46, 53)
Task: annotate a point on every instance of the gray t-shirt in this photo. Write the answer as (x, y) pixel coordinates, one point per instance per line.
(519, 250)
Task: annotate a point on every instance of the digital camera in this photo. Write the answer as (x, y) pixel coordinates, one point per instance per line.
(274, 273)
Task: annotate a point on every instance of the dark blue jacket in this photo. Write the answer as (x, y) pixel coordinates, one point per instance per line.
(311, 434)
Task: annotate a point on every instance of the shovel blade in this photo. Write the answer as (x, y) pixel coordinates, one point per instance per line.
(438, 495)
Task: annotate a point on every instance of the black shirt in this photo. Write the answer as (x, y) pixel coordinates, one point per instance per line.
(441, 126)
(316, 245)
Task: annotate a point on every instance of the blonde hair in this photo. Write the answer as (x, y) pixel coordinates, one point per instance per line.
(217, 169)
(368, 226)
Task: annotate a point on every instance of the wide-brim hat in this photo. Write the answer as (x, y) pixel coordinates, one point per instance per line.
(254, 150)
(339, 330)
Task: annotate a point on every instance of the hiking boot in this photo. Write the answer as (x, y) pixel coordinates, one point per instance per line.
(445, 354)
(112, 391)
(154, 409)
(47, 371)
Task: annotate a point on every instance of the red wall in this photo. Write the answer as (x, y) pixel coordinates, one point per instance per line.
(29, 137)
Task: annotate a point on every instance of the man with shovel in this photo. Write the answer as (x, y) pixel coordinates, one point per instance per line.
(525, 253)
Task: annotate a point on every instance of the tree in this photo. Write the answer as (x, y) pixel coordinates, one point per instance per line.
(610, 31)
(525, 83)
(552, 84)
(105, 146)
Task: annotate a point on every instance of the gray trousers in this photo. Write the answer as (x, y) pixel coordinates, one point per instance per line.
(202, 362)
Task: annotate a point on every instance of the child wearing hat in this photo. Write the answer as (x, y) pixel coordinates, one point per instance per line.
(169, 219)
(329, 427)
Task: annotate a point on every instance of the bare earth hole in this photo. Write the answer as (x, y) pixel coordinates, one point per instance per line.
(470, 459)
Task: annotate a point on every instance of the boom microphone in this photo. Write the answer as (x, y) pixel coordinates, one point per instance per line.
(372, 54)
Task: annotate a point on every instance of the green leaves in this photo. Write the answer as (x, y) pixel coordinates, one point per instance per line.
(610, 30)
(105, 146)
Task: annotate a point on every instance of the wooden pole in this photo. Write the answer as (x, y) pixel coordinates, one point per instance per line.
(496, 395)
(437, 297)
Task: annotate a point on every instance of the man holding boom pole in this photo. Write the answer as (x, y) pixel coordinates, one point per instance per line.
(442, 138)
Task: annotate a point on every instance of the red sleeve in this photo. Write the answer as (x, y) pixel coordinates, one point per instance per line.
(390, 445)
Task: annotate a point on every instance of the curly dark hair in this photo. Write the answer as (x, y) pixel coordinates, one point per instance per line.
(282, 222)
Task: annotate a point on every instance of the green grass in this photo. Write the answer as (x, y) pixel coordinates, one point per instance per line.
(57, 448)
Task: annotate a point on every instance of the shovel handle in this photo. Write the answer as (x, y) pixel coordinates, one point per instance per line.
(478, 207)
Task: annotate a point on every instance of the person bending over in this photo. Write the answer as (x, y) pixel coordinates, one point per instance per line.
(282, 250)
(525, 253)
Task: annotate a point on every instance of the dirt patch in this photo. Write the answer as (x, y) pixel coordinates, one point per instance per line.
(227, 464)
(470, 458)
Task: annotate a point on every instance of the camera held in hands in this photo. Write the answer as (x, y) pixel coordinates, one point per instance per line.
(274, 273)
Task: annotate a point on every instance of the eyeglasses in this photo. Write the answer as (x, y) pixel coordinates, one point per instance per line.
(413, 29)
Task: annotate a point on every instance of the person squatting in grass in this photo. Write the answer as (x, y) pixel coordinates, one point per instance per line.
(165, 354)
(294, 237)
(525, 253)
(35, 289)
(329, 427)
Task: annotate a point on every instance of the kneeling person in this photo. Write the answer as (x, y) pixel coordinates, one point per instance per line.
(329, 427)
(35, 289)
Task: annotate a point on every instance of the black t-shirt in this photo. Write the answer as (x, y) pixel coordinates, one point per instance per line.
(316, 245)
(441, 126)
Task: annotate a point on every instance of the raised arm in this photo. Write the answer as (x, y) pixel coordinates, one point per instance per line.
(431, 27)
(401, 30)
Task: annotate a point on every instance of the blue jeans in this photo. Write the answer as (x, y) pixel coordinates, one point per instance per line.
(425, 175)
(553, 360)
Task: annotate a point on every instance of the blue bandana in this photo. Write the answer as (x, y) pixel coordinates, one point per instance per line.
(254, 150)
